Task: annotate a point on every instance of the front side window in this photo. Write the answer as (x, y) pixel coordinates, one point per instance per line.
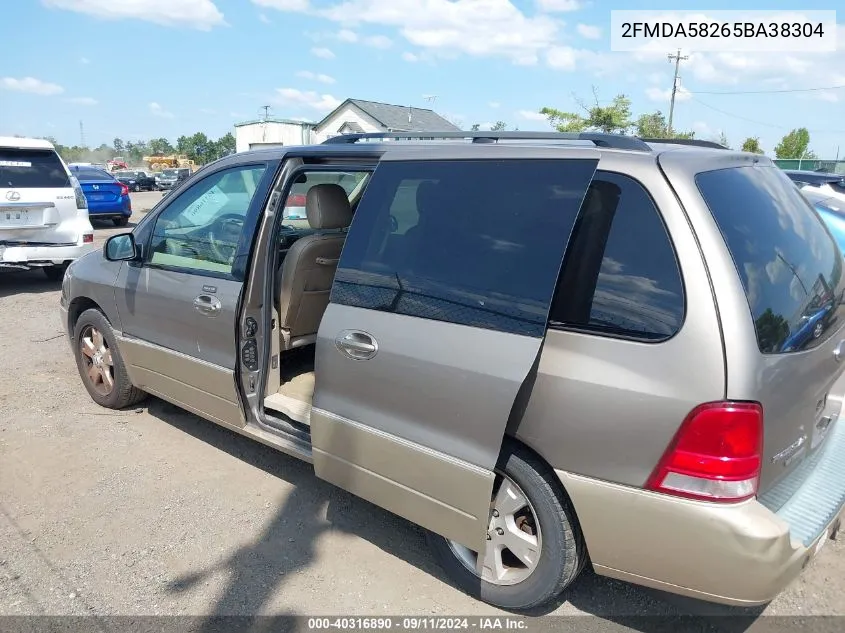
(201, 228)
(621, 276)
(477, 243)
(790, 266)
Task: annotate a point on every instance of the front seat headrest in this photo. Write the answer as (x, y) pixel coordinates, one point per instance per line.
(327, 207)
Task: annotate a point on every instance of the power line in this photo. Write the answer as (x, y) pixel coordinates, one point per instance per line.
(768, 92)
(771, 125)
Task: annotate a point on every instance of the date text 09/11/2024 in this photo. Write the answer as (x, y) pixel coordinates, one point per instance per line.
(416, 623)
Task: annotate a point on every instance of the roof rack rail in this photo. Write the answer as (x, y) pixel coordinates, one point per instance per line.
(610, 141)
(685, 141)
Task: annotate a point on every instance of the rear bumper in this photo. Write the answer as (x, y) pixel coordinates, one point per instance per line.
(739, 554)
(39, 256)
(119, 208)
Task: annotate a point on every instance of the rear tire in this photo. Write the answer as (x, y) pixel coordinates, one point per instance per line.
(96, 352)
(136, 188)
(55, 273)
(122, 221)
(562, 553)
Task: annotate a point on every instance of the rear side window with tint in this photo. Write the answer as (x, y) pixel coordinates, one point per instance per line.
(477, 243)
(93, 174)
(621, 277)
(790, 266)
(29, 169)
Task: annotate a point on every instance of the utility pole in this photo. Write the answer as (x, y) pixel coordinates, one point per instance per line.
(266, 109)
(677, 59)
(82, 134)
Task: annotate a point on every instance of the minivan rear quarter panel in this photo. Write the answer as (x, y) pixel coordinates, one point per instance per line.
(606, 407)
(791, 386)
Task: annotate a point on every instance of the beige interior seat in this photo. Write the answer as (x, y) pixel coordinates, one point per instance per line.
(305, 277)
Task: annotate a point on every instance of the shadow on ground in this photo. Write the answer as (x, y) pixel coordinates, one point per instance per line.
(30, 282)
(287, 544)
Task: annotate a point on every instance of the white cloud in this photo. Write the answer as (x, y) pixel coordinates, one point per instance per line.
(157, 110)
(88, 101)
(308, 98)
(589, 32)
(562, 57)
(345, 35)
(284, 5)
(379, 41)
(31, 85)
(494, 104)
(558, 5)
(322, 53)
(307, 74)
(532, 115)
(827, 95)
(197, 14)
(263, 18)
(657, 94)
(480, 28)
(410, 57)
(84, 60)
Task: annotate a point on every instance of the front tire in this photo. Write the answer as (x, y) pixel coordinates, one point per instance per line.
(100, 364)
(121, 221)
(535, 547)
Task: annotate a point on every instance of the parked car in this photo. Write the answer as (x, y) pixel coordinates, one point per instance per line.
(43, 212)
(545, 353)
(829, 184)
(171, 177)
(108, 198)
(137, 180)
(832, 211)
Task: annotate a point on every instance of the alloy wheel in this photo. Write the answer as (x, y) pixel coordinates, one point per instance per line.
(97, 357)
(514, 540)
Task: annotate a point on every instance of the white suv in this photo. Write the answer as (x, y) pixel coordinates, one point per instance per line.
(43, 212)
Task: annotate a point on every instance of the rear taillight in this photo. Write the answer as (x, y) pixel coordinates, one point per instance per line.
(296, 200)
(81, 200)
(716, 455)
(124, 190)
(88, 238)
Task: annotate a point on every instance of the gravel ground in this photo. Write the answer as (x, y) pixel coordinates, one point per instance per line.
(154, 511)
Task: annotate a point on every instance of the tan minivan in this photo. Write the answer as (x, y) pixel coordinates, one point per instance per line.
(547, 350)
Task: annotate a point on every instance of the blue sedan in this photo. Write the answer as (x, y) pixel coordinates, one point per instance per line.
(107, 197)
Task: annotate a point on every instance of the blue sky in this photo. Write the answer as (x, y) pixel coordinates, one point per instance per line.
(149, 68)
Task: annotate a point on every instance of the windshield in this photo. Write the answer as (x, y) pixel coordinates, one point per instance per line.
(169, 173)
(28, 168)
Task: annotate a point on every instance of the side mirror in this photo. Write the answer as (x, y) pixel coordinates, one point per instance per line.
(121, 248)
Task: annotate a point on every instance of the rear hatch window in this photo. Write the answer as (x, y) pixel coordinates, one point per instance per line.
(31, 168)
(790, 266)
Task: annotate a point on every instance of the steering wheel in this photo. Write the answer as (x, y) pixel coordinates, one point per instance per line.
(223, 236)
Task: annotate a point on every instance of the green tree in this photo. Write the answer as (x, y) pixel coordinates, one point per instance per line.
(654, 125)
(118, 145)
(795, 145)
(611, 119)
(752, 144)
(475, 127)
(723, 140)
(160, 147)
(499, 126)
(226, 145)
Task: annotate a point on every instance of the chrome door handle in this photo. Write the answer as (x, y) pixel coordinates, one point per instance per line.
(208, 304)
(357, 345)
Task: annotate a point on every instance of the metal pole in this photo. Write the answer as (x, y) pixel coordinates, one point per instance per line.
(677, 59)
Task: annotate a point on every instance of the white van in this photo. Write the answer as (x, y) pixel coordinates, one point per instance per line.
(43, 212)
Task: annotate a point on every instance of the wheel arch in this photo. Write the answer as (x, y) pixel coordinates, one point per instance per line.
(76, 307)
(511, 443)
